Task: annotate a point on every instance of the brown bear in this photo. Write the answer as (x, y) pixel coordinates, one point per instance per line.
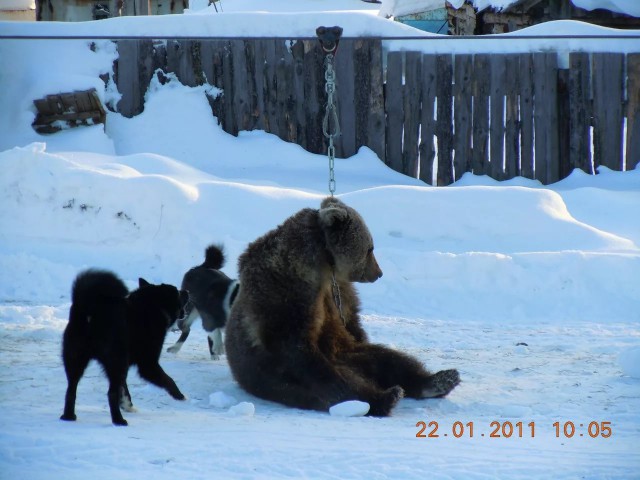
(294, 334)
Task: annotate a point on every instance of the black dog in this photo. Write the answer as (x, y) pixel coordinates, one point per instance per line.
(211, 294)
(118, 329)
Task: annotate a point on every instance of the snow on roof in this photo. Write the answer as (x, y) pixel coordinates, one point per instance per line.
(497, 4)
(395, 8)
(18, 5)
(629, 7)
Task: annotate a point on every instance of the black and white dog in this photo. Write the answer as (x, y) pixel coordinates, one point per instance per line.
(211, 294)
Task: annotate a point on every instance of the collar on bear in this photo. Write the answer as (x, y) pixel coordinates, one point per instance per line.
(335, 289)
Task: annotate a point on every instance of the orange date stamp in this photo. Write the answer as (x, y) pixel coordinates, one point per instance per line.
(508, 429)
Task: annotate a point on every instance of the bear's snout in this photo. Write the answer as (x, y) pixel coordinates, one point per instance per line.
(373, 271)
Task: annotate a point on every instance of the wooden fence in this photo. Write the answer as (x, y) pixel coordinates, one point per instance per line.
(432, 117)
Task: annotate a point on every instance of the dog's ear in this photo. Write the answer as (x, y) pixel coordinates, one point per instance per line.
(143, 283)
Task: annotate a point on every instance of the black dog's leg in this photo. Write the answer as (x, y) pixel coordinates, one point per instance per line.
(154, 373)
(74, 368)
(125, 398)
(117, 383)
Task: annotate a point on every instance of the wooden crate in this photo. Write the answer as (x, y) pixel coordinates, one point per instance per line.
(68, 110)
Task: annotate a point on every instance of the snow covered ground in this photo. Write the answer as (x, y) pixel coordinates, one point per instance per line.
(530, 291)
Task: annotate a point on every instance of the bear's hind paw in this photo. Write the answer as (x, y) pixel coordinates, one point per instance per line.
(441, 383)
(388, 400)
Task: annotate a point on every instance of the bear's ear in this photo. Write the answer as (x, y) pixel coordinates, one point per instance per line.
(332, 201)
(331, 215)
(143, 283)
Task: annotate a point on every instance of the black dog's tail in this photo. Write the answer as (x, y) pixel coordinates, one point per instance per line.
(214, 257)
(92, 287)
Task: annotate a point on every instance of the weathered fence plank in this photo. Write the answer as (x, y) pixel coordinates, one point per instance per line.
(135, 66)
(241, 85)
(512, 122)
(376, 139)
(607, 109)
(633, 111)
(564, 123)
(444, 123)
(496, 128)
(297, 53)
(257, 74)
(269, 86)
(229, 121)
(253, 114)
(412, 98)
(580, 112)
(345, 78)
(207, 52)
(526, 116)
(481, 89)
(395, 110)
(179, 61)
(283, 88)
(462, 115)
(362, 94)
(546, 117)
(427, 119)
(314, 96)
(212, 69)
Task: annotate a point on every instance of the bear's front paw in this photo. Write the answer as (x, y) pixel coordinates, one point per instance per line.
(441, 383)
(388, 399)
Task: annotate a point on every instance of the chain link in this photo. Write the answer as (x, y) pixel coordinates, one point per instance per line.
(330, 123)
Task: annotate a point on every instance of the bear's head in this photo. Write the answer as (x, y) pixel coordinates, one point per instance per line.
(349, 242)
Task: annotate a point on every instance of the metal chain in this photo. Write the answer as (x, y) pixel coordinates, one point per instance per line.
(330, 123)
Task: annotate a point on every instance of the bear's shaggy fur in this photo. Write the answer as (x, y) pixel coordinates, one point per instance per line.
(294, 334)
